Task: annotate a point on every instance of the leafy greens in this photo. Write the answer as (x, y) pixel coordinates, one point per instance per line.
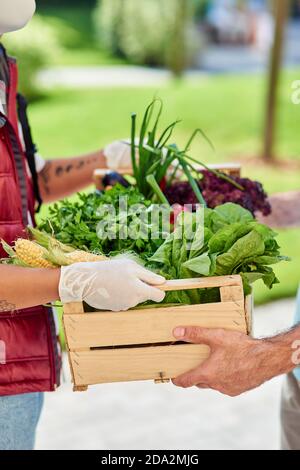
(230, 241)
(76, 223)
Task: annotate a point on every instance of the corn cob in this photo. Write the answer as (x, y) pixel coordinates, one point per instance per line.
(45, 240)
(80, 256)
(60, 254)
(56, 256)
(32, 254)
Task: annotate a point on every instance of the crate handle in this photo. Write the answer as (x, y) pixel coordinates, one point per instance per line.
(201, 283)
(232, 169)
(222, 282)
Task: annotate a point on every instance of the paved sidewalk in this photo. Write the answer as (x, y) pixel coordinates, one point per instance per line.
(110, 76)
(285, 210)
(147, 416)
(213, 60)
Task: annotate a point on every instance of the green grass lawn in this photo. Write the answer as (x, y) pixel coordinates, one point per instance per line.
(228, 109)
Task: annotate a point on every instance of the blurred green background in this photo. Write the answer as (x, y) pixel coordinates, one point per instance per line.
(229, 106)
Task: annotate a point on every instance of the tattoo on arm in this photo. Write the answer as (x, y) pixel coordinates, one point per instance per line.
(6, 306)
(53, 169)
(80, 165)
(61, 169)
(46, 176)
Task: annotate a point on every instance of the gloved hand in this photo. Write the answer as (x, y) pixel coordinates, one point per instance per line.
(114, 285)
(118, 155)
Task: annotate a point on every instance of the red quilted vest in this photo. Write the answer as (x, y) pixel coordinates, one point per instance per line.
(32, 363)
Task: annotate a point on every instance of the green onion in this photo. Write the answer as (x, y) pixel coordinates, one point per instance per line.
(193, 183)
(156, 189)
(133, 152)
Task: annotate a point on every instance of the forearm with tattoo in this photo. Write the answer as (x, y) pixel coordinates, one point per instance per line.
(26, 287)
(62, 177)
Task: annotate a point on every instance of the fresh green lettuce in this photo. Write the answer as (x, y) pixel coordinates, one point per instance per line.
(231, 242)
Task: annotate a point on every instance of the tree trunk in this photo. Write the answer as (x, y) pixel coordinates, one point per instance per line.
(281, 15)
(177, 49)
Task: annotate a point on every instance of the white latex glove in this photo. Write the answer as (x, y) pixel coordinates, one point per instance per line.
(114, 285)
(118, 154)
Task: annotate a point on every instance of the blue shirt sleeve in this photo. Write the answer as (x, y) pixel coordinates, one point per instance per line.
(297, 320)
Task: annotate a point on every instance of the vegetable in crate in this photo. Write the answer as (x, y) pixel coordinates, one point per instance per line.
(230, 242)
(45, 252)
(75, 223)
(217, 191)
(155, 156)
(152, 155)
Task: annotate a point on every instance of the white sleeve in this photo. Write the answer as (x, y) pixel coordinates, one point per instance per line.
(39, 161)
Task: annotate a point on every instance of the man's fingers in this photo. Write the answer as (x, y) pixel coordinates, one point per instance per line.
(196, 335)
(202, 376)
(191, 379)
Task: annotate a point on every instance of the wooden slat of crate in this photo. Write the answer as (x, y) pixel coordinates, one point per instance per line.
(132, 342)
(147, 363)
(148, 326)
(202, 283)
(231, 169)
(249, 304)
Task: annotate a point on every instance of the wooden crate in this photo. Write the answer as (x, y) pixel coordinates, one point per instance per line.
(231, 169)
(106, 347)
